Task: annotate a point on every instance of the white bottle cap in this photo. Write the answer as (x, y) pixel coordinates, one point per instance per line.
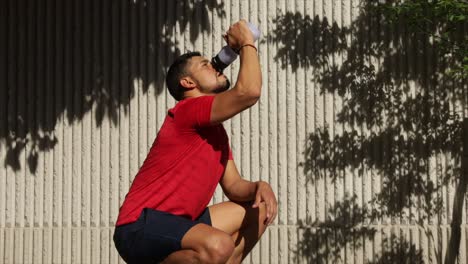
(255, 31)
(226, 56)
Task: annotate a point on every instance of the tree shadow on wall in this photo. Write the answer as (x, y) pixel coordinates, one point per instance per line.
(324, 241)
(398, 250)
(70, 58)
(328, 241)
(396, 116)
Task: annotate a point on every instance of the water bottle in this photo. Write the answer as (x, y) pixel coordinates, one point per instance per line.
(226, 55)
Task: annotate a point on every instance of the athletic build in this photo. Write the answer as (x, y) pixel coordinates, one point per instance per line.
(164, 216)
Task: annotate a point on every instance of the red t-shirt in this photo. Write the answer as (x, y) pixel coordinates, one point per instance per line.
(184, 165)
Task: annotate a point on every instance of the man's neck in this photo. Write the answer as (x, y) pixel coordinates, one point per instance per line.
(195, 93)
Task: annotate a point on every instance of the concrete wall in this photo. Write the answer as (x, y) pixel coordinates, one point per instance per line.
(357, 130)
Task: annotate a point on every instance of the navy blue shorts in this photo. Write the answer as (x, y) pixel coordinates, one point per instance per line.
(154, 236)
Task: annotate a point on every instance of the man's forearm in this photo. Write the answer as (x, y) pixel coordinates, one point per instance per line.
(242, 191)
(249, 80)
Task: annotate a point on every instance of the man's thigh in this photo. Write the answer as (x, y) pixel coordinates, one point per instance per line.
(230, 217)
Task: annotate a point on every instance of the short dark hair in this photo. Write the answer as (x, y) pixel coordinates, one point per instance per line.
(176, 71)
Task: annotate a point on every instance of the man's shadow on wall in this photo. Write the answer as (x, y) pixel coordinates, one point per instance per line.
(396, 119)
(64, 59)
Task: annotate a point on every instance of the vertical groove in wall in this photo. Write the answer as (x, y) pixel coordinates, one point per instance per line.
(84, 97)
(96, 79)
(309, 113)
(141, 78)
(124, 82)
(303, 114)
(29, 120)
(68, 89)
(104, 111)
(291, 94)
(112, 200)
(19, 124)
(282, 176)
(4, 66)
(151, 79)
(39, 115)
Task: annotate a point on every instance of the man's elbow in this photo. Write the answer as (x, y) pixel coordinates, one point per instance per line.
(256, 92)
(253, 98)
(247, 93)
(253, 95)
(228, 194)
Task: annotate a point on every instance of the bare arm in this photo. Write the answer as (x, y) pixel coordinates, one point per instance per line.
(247, 89)
(236, 188)
(240, 190)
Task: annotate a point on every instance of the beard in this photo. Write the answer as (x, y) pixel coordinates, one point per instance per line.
(224, 87)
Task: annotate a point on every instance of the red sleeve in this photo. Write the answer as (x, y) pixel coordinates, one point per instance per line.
(194, 112)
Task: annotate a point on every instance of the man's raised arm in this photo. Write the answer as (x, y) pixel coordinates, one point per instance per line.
(247, 89)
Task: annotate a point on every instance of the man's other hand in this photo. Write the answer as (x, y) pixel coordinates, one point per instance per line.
(264, 193)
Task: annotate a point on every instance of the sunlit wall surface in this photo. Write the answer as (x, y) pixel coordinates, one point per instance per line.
(359, 130)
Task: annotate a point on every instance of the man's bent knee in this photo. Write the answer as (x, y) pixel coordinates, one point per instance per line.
(217, 249)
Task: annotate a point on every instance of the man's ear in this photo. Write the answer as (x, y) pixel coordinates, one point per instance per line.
(187, 83)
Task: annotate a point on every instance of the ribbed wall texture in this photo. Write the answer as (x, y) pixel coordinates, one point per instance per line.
(358, 130)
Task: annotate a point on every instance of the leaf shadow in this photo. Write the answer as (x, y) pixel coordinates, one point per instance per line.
(396, 118)
(64, 60)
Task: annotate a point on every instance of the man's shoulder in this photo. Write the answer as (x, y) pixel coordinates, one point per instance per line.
(194, 111)
(192, 101)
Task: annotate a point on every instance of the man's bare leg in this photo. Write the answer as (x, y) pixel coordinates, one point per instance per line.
(182, 256)
(235, 230)
(244, 223)
(203, 244)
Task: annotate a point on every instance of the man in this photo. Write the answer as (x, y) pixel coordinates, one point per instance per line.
(164, 216)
